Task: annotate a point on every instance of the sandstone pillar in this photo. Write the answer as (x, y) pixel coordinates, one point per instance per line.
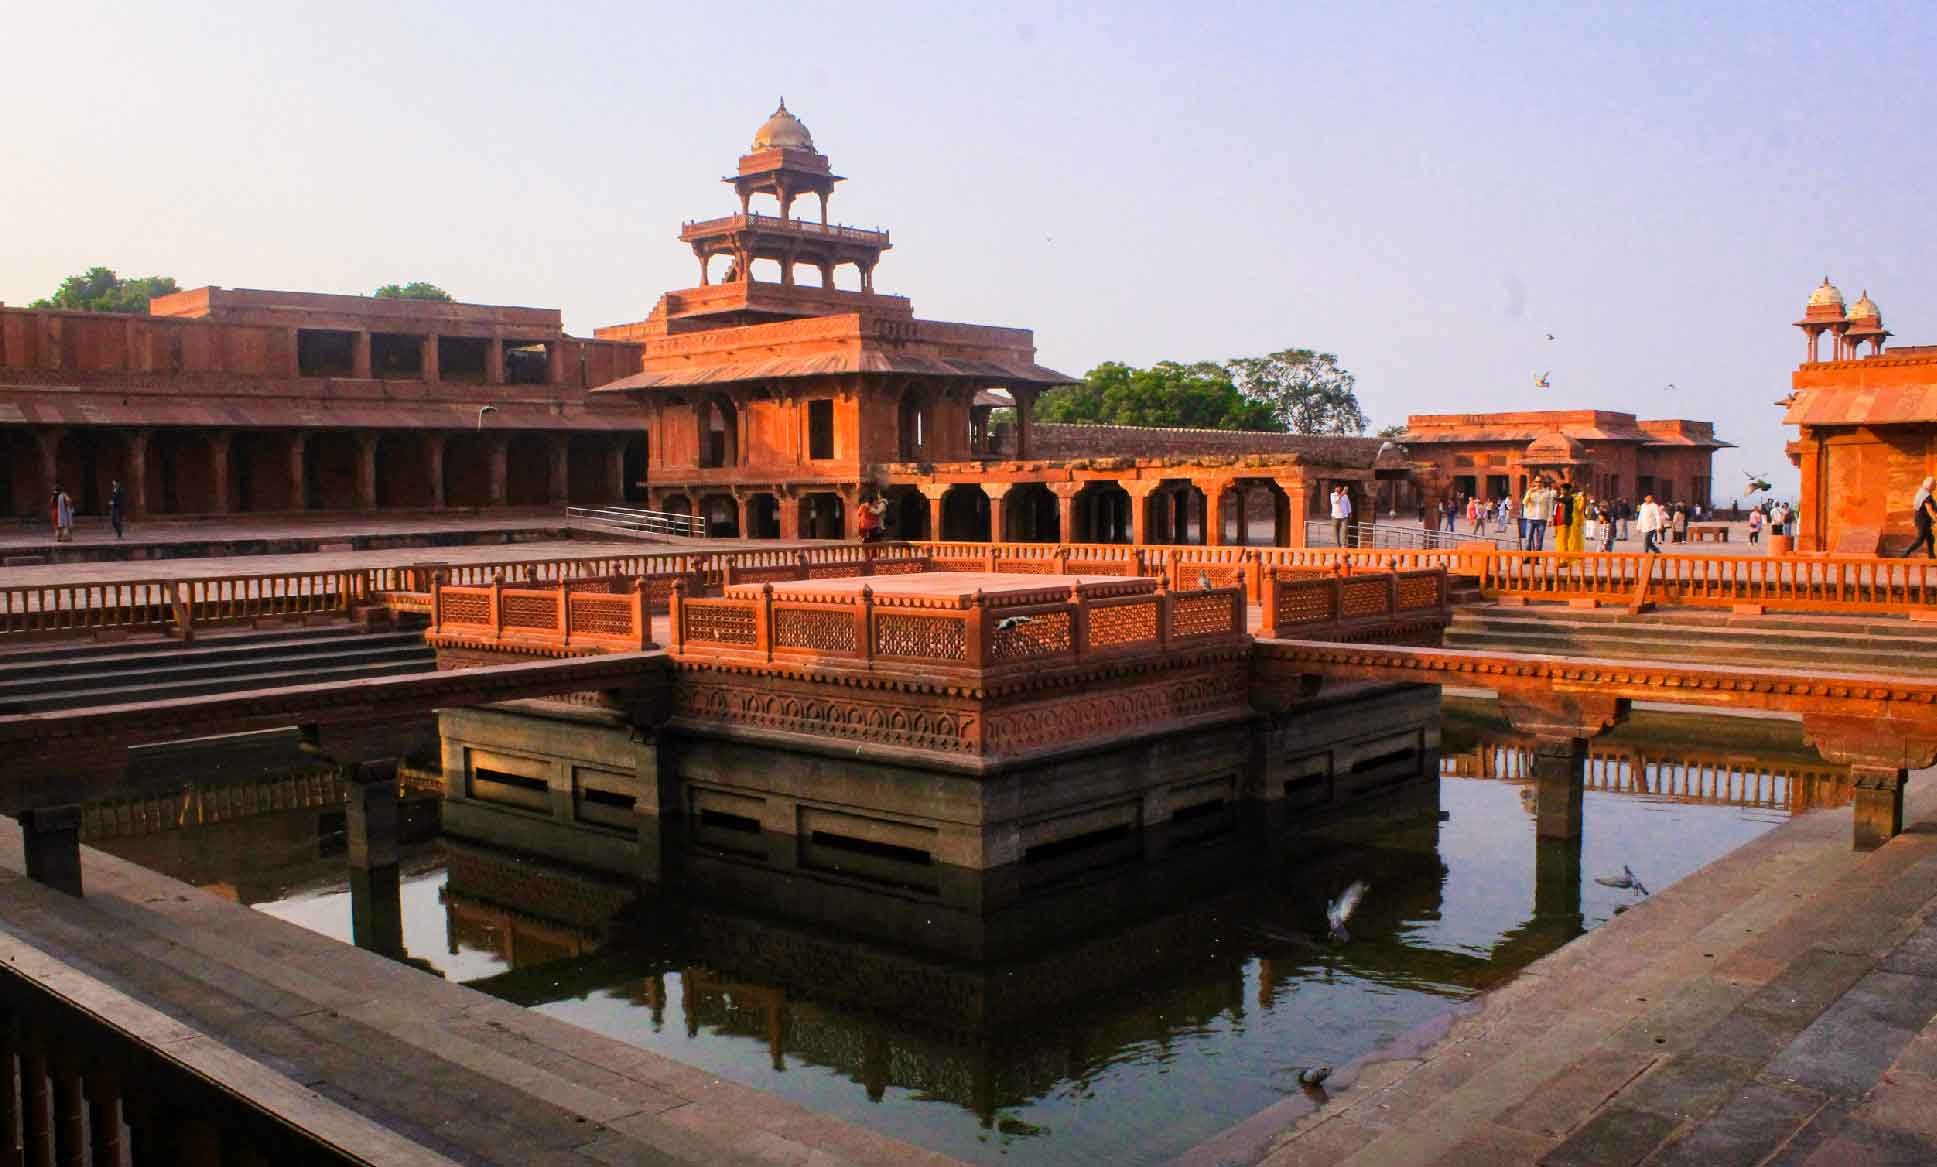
(360, 355)
(493, 361)
(500, 468)
(138, 472)
(48, 443)
(51, 837)
(1025, 421)
(743, 506)
(1292, 530)
(1213, 491)
(434, 463)
(615, 483)
(366, 471)
(1140, 493)
(429, 360)
(1879, 804)
(555, 362)
(850, 512)
(933, 492)
(1066, 493)
(218, 456)
(998, 493)
(1557, 884)
(298, 478)
(789, 508)
(561, 473)
(1559, 767)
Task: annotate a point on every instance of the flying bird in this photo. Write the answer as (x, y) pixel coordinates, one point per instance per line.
(1627, 879)
(1540, 382)
(1757, 482)
(1011, 623)
(1550, 336)
(1313, 1078)
(1341, 909)
(1671, 384)
(1204, 580)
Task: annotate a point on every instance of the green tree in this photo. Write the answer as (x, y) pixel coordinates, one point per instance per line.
(99, 290)
(1197, 395)
(1307, 391)
(1395, 432)
(416, 290)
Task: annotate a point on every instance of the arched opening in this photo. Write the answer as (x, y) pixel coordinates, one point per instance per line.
(88, 462)
(1029, 514)
(587, 462)
(1102, 514)
(528, 470)
(634, 468)
(913, 424)
(259, 478)
(329, 470)
(1176, 514)
(764, 271)
(719, 432)
(965, 514)
(823, 515)
(181, 472)
(722, 515)
(21, 490)
(763, 517)
(403, 471)
(467, 470)
(907, 514)
(847, 277)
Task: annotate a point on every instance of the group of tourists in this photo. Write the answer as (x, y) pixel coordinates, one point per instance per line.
(61, 511)
(1772, 516)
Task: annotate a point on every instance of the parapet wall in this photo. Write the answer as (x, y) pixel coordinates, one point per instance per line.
(1053, 440)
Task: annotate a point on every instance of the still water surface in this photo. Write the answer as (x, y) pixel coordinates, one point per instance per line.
(1120, 1046)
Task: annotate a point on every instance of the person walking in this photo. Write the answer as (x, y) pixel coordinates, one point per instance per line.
(63, 515)
(1922, 511)
(1648, 522)
(1475, 516)
(117, 507)
(1341, 515)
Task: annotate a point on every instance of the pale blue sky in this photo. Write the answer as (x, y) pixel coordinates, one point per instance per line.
(1658, 185)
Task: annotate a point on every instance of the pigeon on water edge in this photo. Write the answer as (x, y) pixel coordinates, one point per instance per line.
(1341, 909)
(1314, 1077)
(1627, 879)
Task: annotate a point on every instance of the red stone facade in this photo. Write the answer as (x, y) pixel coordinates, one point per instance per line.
(230, 402)
(1612, 455)
(1867, 430)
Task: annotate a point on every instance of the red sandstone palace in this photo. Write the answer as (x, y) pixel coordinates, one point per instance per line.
(1868, 428)
(1612, 455)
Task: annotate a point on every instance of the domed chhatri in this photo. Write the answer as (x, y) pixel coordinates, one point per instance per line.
(1866, 309)
(785, 131)
(1826, 296)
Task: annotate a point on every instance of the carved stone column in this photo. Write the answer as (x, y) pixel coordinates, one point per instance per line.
(1066, 493)
(1140, 492)
(500, 468)
(1559, 770)
(298, 471)
(560, 488)
(615, 483)
(434, 463)
(432, 375)
(218, 455)
(1213, 490)
(934, 493)
(998, 493)
(360, 355)
(138, 472)
(366, 471)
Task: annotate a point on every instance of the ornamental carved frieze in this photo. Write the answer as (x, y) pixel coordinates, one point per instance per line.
(1174, 700)
(878, 717)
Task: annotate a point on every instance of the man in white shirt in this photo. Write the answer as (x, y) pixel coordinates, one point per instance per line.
(1649, 521)
(1341, 514)
(1538, 506)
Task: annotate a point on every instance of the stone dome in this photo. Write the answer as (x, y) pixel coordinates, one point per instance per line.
(784, 130)
(1826, 296)
(1866, 309)
(1554, 449)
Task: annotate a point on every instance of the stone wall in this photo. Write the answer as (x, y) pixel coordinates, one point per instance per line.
(1054, 440)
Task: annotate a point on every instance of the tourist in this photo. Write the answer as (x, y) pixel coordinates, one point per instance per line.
(1341, 515)
(1755, 525)
(1779, 519)
(870, 520)
(117, 507)
(1607, 527)
(1476, 515)
(1648, 522)
(63, 515)
(1567, 518)
(1538, 507)
(1922, 511)
(1680, 523)
(1507, 516)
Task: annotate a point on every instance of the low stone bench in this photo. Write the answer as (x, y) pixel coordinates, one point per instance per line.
(1706, 532)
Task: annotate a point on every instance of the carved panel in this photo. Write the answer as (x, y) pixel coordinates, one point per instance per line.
(1045, 634)
(602, 614)
(813, 628)
(927, 637)
(1363, 597)
(1418, 591)
(464, 608)
(842, 714)
(530, 612)
(1302, 603)
(1040, 725)
(1121, 624)
(1200, 615)
(720, 621)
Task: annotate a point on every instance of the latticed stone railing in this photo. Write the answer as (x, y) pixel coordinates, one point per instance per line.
(1392, 606)
(588, 615)
(1021, 630)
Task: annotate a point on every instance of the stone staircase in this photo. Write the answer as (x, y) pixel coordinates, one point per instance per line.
(42, 678)
(1827, 643)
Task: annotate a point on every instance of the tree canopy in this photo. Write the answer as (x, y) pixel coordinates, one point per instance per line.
(415, 290)
(1305, 390)
(1199, 395)
(98, 289)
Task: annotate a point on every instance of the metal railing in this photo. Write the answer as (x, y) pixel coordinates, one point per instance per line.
(642, 521)
(1318, 533)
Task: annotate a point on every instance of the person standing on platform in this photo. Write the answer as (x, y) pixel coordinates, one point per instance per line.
(1755, 525)
(1680, 522)
(1567, 519)
(1341, 515)
(1921, 513)
(1648, 522)
(63, 515)
(1537, 506)
(117, 507)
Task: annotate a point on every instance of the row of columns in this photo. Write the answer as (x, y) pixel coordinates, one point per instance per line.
(134, 481)
(429, 362)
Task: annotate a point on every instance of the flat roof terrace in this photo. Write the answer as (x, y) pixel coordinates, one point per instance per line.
(959, 586)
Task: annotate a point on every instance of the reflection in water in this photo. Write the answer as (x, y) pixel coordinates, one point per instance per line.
(1117, 1016)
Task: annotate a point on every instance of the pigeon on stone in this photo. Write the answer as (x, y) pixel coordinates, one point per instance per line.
(1341, 909)
(1204, 580)
(1314, 1077)
(1627, 879)
(1011, 623)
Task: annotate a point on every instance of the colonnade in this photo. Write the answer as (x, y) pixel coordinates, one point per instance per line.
(179, 470)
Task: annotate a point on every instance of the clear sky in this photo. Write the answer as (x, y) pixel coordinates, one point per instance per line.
(1426, 190)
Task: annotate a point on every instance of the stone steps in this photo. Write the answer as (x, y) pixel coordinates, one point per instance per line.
(1821, 643)
(89, 676)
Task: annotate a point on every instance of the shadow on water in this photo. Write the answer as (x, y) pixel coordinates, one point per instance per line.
(1115, 1013)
